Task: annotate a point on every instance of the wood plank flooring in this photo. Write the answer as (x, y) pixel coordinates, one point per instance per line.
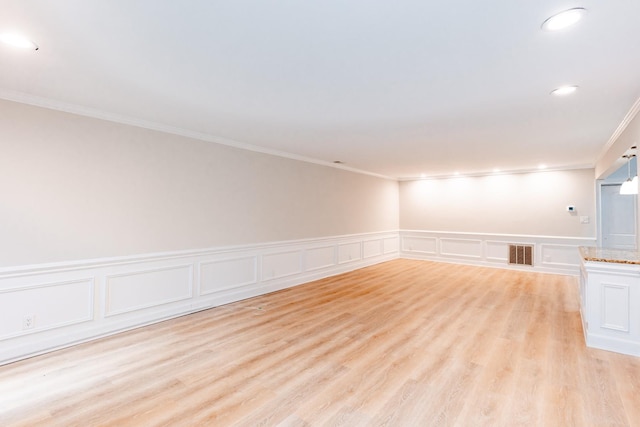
(404, 343)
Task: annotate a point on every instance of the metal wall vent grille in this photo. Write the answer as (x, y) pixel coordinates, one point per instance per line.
(521, 254)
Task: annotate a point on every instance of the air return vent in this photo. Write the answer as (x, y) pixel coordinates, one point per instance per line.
(521, 254)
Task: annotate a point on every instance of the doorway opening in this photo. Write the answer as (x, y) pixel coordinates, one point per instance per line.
(617, 212)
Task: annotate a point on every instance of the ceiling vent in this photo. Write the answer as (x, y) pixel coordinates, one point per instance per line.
(521, 254)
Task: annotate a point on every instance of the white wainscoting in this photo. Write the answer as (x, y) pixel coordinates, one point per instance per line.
(68, 303)
(610, 306)
(551, 254)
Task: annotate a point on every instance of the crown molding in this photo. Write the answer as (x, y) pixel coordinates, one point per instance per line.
(631, 114)
(51, 104)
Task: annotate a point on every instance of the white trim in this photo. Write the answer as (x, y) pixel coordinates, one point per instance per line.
(631, 114)
(253, 281)
(603, 309)
(234, 286)
(63, 266)
(624, 335)
(307, 250)
(487, 243)
(108, 289)
(155, 126)
(90, 281)
(144, 308)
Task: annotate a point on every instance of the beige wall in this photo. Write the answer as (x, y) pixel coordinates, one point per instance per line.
(531, 204)
(75, 188)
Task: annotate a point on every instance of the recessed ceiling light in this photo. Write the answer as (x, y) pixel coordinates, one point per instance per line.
(496, 170)
(423, 175)
(564, 90)
(564, 19)
(542, 166)
(16, 40)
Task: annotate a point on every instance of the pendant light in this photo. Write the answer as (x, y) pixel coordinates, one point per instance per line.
(630, 186)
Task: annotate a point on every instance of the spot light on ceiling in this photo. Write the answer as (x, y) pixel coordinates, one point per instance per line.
(564, 19)
(18, 41)
(564, 90)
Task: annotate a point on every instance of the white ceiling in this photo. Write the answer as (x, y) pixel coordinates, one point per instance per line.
(397, 88)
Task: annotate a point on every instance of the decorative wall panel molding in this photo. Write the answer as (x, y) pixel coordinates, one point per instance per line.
(321, 257)
(281, 264)
(460, 248)
(30, 309)
(424, 245)
(349, 252)
(227, 273)
(372, 248)
(147, 288)
(551, 254)
(615, 307)
(95, 298)
(494, 251)
(391, 244)
(610, 306)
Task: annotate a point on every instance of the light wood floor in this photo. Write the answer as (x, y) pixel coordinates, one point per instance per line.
(404, 343)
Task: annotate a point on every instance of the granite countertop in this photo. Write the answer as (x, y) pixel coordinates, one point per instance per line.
(619, 256)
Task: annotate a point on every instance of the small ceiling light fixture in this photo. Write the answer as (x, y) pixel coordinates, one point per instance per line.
(16, 40)
(423, 175)
(542, 166)
(496, 170)
(564, 19)
(630, 186)
(564, 90)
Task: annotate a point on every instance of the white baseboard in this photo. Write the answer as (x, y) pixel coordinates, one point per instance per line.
(74, 302)
(609, 343)
(552, 254)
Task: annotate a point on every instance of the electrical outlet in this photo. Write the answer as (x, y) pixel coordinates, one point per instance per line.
(28, 322)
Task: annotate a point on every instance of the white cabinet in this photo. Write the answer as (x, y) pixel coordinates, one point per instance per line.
(610, 306)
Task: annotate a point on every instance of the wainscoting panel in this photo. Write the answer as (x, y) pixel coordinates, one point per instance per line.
(283, 264)
(224, 274)
(372, 248)
(551, 254)
(48, 306)
(497, 252)
(322, 257)
(391, 245)
(461, 248)
(559, 255)
(349, 252)
(143, 289)
(45, 307)
(615, 307)
(425, 245)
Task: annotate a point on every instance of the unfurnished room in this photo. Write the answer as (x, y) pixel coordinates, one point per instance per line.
(337, 213)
